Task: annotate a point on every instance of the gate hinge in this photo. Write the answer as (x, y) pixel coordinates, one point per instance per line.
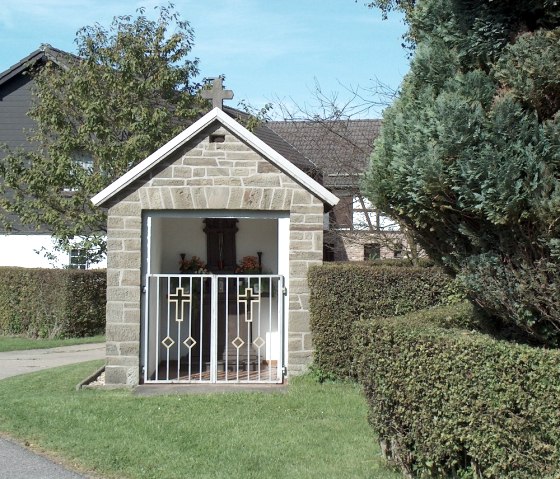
(284, 291)
(144, 289)
(284, 370)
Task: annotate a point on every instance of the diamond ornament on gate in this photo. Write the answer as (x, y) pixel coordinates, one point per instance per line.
(168, 342)
(259, 342)
(189, 342)
(238, 342)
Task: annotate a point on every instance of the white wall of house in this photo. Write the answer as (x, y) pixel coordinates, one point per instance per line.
(377, 220)
(28, 251)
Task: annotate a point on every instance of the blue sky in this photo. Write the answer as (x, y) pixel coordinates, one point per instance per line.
(269, 50)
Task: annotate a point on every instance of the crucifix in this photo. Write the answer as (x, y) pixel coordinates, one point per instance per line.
(217, 93)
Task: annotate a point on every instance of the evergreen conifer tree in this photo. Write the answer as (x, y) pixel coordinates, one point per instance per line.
(469, 154)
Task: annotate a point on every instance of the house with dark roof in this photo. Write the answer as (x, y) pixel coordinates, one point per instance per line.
(16, 95)
(24, 244)
(333, 153)
(340, 150)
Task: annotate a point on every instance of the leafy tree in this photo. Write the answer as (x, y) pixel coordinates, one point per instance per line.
(129, 90)
(469, 154)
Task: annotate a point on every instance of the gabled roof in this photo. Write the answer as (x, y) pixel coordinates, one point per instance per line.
(340, 148)
(337, 151)
(44, 53)
(216, 115)
(274, 140)
(11, 222)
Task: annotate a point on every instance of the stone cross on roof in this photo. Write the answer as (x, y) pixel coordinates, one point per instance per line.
(217, 93)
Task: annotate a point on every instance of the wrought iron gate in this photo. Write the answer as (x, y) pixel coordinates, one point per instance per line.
(213, 328)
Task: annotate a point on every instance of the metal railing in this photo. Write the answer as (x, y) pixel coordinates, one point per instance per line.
(213, 328)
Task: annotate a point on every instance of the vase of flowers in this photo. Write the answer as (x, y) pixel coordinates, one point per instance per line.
(249, 265)
(193, 265)
(252, 265)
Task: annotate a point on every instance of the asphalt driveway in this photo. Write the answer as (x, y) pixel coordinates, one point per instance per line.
(16, 461)
(13, 363)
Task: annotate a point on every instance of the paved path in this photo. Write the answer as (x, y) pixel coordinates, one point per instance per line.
(13, 363)
(17, 462)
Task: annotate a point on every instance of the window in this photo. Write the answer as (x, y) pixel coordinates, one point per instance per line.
(342, 213)
(84, 160)
(85, 163)
(372, 251)
(78, 259)
(397, 250)
(217, 138)
(328, 252)
(364, 215)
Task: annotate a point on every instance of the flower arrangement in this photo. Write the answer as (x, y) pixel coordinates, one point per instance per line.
(262, 286)
(193, 265)
(249, 264)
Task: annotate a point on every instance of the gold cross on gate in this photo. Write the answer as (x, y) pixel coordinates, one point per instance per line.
(180, 299)
(217, 93)
(248, 299)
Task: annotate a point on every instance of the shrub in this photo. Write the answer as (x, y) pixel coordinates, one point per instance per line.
(448, 316)
(456, 403)
(468, 158)
(52, 303)
(341, 293)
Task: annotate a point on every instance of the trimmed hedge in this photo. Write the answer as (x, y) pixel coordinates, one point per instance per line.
(342, 293)
(52, 303)
(457, 403)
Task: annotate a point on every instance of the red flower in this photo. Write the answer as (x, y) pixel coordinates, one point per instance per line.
(193, 265)
(249, 264)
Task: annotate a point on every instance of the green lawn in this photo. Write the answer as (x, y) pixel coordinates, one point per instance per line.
(17, 343)
(312, 431)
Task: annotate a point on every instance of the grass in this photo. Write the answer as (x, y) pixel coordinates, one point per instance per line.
(18, 343)
(312, 431)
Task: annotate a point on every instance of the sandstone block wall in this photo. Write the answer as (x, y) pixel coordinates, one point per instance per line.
(205, 175)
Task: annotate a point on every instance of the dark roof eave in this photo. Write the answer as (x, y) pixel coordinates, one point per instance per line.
(276, 141)
(21, 66)
(41, 54)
